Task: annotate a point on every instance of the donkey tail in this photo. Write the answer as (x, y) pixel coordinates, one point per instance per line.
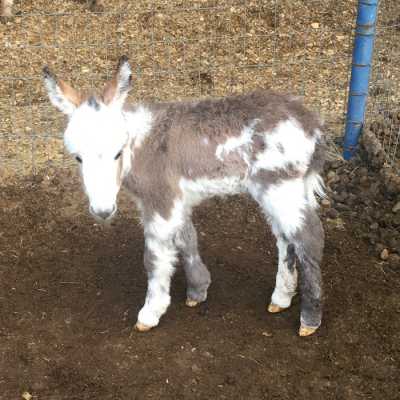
(313, 182)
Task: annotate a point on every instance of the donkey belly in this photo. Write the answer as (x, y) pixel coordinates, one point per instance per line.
(197, 190)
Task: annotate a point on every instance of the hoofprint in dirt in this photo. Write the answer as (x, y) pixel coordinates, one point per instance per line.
(70, 291)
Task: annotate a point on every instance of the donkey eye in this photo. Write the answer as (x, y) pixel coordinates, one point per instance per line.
(118, 155)
(77, 158)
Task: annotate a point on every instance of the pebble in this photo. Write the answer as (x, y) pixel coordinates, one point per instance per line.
(342, 207)
(331, 175)
(363, 171)
(396, 207)
(325, 203)
(374, 226)
(384, 254)
(379, 247)
(332, 213)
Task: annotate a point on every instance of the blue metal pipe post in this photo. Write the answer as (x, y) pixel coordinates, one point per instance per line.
(360, 73)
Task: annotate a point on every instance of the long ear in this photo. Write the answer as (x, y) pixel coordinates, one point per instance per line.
(116, 90)
(61, 95)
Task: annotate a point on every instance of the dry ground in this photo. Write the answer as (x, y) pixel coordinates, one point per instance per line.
(70, 291)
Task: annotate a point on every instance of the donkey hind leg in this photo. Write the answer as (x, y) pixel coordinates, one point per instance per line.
(286, 277)
(292, 217)
(197, 275)
(309, 244)
(159, 259)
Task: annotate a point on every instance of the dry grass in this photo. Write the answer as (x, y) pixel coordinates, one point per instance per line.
(179, 49)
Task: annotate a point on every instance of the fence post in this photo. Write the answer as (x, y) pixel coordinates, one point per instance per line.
(360, 72)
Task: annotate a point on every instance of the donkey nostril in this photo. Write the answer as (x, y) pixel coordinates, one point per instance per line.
(104, 214)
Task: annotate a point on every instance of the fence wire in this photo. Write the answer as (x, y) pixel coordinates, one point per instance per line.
(178, 50)
(383, 111)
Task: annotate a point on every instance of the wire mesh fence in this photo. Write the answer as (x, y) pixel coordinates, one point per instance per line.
(383, 111)
(178, 49)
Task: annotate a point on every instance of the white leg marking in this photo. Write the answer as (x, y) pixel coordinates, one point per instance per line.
(286, 281)
(162, 258)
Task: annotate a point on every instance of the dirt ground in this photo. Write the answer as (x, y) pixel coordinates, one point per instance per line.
(71, 289)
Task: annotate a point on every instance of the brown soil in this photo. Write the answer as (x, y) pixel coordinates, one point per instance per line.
(71, 289)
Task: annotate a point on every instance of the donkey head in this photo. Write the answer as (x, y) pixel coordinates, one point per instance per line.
(96, 135)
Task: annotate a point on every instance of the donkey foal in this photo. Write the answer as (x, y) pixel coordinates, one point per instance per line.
(171, 156)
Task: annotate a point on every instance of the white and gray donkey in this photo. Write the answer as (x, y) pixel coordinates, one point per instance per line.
(171, 156)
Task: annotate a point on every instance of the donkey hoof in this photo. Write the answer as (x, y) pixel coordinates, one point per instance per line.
(191, 303)
(307, 330)
(273, 308)
(141, 327)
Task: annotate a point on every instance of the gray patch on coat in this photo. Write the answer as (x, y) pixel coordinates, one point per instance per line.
(197, 275)
(291, 257)
(274, 177)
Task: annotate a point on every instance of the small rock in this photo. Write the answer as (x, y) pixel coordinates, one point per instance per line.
(384, 254)
(342, 207)
(340, 197)
(374, 226)
(394, 243)
(331, 175)
(344, 180)
(396, 207)
(26, 396)
(332, 213)
(325, 203)
(196, 369)
(379, 247)
(267, 334)
(363, 171)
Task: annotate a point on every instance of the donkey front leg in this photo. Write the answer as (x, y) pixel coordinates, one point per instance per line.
(160, 257)
(197, 275)
(286, 277)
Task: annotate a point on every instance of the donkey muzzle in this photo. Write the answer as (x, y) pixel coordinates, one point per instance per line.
(103, 214)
